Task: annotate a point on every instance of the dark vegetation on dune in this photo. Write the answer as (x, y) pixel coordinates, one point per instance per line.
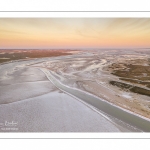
(147, 84)
(133, 73)
(128, 87)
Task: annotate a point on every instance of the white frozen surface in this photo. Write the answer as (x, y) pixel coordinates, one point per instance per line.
(55, 112)
(126, 95)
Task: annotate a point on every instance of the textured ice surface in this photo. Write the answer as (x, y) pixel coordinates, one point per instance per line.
(23, 83)
(56, 112)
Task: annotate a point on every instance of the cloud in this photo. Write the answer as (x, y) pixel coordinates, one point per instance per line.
(10, 31)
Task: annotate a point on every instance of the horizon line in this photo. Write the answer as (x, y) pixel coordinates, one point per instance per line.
(70, 48)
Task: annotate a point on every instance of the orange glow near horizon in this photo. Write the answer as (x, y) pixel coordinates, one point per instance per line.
(74, 32)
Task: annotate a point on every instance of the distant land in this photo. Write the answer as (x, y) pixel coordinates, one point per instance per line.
(17, 54)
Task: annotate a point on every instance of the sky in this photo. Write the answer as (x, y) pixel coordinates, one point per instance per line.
(47, 33)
